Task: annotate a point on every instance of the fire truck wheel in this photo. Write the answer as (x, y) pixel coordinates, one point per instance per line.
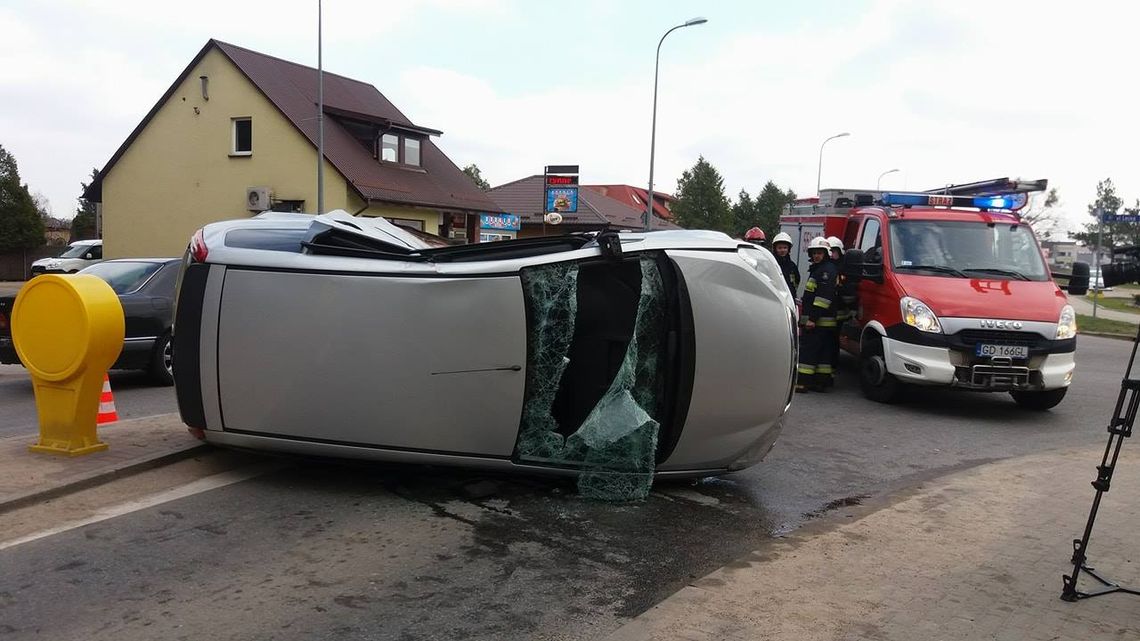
(877, 383)
(1039, 401)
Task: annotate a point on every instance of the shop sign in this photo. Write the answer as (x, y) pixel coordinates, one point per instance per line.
(505, 222)
(563, 200)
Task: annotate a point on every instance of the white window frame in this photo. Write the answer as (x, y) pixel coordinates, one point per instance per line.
(397, 148)
(419, 151)
(234, 136)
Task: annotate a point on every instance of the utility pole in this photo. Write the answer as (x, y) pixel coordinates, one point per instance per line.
(320, 119)
(1096, 256)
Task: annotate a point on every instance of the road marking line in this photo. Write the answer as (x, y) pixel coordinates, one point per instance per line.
(190, 489)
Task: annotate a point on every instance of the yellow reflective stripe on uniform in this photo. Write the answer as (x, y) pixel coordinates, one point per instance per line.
(825, 322)
(821, 302)
(809, 286)
(805, 369)
(823, 369)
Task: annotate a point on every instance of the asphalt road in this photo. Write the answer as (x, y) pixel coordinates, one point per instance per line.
(333, 550)
(134, 395)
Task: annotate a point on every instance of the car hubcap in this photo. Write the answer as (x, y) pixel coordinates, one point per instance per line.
(167, 358)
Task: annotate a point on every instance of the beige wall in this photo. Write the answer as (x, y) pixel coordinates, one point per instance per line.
(430, 217)
(178, 174)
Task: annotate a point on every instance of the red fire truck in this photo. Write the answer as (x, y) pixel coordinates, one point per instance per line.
(953, 289)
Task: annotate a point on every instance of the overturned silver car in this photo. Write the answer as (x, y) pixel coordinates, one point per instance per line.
(610, 356)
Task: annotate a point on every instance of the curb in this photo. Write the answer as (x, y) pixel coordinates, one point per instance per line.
(99, 478)
(1126, 337)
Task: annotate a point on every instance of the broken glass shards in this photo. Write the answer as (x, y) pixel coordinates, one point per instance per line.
(616, 444)
(552, 294)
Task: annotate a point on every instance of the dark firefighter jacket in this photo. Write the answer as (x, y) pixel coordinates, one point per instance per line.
(819, 294)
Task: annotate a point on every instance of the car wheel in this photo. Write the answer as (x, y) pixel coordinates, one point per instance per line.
(877, 383)
(161, 370)
(1040, 401)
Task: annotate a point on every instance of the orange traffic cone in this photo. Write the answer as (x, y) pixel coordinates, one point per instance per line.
(107, 413)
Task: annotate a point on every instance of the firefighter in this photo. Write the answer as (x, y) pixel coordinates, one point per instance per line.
(817, 320)
(782, 248)
(841, 304)
(756, 236)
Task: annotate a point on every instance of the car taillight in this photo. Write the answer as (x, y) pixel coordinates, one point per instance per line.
(3, 321)
(198, 249)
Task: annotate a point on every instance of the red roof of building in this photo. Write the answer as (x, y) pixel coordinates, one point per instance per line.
(292, 88)
(526, 198)
(636, 197)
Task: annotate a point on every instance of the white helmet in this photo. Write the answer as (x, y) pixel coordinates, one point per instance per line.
(835, 243)
(819, 242)
(782, 237)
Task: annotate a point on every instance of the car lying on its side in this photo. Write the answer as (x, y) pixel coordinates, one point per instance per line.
(78, 256)
(670, 351)
(145, 287)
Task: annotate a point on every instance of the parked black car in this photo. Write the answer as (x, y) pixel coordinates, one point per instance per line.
(146, 290)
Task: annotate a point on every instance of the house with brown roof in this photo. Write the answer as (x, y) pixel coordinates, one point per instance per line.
(237, 133)
(637, 197)
(526, 198)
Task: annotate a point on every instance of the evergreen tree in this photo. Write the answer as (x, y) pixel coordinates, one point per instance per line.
(21, 226)
(700, 201)
(83, 225)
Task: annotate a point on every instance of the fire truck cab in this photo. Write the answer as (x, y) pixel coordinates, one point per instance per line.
(953, 290)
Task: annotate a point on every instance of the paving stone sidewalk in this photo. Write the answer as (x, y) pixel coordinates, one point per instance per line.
(134, 445)
(977, 555)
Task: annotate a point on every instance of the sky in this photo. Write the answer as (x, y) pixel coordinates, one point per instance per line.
(944, 92)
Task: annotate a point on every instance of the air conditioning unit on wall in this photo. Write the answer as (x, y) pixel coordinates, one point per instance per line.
(258, 198)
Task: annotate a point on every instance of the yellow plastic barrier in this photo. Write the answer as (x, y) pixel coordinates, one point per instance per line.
(68, 330)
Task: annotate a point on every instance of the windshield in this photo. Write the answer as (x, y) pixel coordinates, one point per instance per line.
(1000, 251)
(76, 251)
(123, 277)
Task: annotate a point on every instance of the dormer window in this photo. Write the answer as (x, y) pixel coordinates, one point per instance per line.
(400, 148)
(390, 148)
(412, 151)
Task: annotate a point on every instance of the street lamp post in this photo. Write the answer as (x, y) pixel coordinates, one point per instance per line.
(819, 171)
(653, 133)
(880, 180)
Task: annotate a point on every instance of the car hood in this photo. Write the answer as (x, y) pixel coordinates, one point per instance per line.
(986, 298)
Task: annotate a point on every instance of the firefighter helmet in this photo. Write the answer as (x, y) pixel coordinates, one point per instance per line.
(835, 243)
(782, 237)
(755, 234)
(819, 242)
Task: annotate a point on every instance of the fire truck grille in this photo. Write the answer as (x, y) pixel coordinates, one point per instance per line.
(971, 337)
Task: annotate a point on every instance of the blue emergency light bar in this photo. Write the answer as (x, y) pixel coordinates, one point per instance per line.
(1006, 201)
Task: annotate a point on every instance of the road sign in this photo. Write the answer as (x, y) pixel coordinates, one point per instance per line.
(1122, 218)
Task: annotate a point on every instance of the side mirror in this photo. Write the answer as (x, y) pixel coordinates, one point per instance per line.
(1079, 281)
(852, 265)
(873, 264)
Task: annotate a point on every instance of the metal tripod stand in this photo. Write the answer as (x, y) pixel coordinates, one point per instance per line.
(1119, 429)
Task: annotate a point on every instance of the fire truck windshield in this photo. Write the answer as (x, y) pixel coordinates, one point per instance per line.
(956, 249)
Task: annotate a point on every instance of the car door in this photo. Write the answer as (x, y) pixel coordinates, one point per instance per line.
(433, 364)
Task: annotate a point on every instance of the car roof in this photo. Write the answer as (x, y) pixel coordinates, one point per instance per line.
(142, 260)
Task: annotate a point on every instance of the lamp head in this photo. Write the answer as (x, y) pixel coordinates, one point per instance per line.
(695, 21)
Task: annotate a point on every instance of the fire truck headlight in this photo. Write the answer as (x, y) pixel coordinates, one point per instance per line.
(1067, 325)
(916, 314)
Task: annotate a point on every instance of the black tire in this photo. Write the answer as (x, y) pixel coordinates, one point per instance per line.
(160, 369)
(877, 383)
(1040, 401)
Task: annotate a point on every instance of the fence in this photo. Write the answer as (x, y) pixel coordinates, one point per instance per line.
(18, 265)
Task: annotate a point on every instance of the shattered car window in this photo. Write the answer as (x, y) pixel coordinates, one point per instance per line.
(615, 446)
